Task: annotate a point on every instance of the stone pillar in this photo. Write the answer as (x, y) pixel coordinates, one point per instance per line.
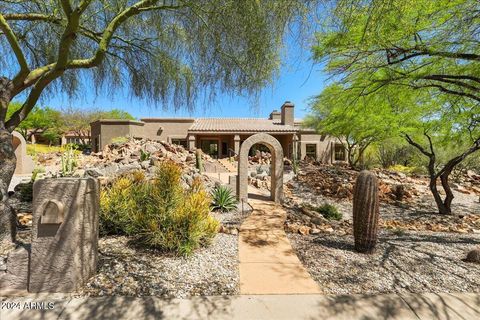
(236, 143)
(192, 142)
(64, 235)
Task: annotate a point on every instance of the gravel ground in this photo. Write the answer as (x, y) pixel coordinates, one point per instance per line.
(235, 218)
(407, 262)
(126, 270)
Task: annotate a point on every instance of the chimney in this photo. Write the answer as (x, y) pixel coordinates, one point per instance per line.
(275, 115)
(287, 115)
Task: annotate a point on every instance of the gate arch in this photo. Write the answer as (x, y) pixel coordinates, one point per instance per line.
(276, 172)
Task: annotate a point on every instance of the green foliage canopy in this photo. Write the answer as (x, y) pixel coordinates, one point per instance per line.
(420, 44)
(356, 121)
(43, 119)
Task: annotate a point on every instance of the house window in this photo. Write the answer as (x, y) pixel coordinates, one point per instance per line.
(340, 153)
(311, 151)
(180, 142)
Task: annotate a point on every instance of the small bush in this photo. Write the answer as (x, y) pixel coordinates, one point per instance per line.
(223, 199)
(159, 213)
(120, 140)
(329, 211)
(144, 155)
(25, 190)
(407, 170)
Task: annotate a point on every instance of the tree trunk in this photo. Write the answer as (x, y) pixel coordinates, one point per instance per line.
(448, 191)
(442, 207)
(8, 163)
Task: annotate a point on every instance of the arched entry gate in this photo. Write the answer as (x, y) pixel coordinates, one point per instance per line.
(276, 171)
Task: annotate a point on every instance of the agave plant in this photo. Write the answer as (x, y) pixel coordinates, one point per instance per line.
(223, 199)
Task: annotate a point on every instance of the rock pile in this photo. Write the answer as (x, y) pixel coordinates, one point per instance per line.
(338, 182)
(134, 154)
(261, 157)
(304, 220)
(259, 177)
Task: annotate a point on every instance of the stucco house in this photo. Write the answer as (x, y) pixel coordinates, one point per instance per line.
(222, 137)
(75, 137)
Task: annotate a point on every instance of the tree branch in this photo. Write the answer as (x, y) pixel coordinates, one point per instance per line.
(30, 17)
(418, 146)
(17, 50)
(108, 33)
(445, 90)
(455, 82)
(453, 162)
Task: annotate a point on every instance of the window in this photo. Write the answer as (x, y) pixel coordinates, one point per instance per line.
(180, 142)
(339, 153)
(311, 151)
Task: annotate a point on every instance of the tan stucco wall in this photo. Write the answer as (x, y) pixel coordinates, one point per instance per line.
(324, 145)
(166, 129)
(106, 130)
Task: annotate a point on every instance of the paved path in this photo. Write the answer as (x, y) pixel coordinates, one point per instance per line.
(268, 263)
(427, 306)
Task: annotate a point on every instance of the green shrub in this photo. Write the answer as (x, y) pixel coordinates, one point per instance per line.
(38, 170)
(329, 211)
(144, 155)
(223, 199)
(120, 140)
(159, 213)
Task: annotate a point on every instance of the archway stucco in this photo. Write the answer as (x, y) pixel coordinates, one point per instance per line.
(276, 171)
(25, 163)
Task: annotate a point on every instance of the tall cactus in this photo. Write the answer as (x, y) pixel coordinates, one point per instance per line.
(365, 212)
(198, 160)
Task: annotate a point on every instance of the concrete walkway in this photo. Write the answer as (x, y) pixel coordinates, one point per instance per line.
(428, 306)
(268, 263)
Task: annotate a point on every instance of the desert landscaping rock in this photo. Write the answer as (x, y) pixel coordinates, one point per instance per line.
(124, 269)
(408, 262)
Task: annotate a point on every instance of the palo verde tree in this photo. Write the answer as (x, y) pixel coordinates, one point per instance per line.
(420, 47)
(356, 122)
(439, 126)
(444, 130)
(420, 44)
(162, 51)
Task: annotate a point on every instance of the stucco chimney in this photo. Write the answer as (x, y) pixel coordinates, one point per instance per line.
(275, 115)
(287, 114)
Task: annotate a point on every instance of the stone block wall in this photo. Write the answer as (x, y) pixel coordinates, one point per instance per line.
(65, 234)
(63, 252)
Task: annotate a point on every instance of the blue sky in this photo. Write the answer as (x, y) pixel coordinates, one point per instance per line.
(299, 79)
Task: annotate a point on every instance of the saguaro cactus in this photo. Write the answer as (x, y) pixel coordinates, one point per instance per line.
(198, 160)
(365, 212)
